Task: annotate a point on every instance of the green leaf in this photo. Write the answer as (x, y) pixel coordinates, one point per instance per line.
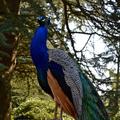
(2, 67)
(3, 42)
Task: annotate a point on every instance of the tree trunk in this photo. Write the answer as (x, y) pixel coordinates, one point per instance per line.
(4, 99)
(7, 7)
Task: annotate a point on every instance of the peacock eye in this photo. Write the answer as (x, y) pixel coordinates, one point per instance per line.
(43, 20)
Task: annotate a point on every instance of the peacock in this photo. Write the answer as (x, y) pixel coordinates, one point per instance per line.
(61, 78)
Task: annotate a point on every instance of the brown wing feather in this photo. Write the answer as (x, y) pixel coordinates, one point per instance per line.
(59, 96)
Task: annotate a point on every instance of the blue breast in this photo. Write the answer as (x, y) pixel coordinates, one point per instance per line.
(39, 54)
(38, 48)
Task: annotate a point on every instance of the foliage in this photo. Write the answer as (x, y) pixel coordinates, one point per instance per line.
(35, 108)
(41, 108)
(5, 46)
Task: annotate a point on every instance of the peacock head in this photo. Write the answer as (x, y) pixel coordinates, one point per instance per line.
(42, 20)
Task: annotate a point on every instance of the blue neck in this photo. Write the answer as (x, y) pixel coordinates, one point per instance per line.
(38, 48)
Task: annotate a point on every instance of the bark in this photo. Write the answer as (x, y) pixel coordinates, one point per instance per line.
(4, 99)
(7, 7)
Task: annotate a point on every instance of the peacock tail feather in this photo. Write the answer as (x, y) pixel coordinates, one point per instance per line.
(92, 106)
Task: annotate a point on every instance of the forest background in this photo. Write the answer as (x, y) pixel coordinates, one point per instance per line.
(97, 20)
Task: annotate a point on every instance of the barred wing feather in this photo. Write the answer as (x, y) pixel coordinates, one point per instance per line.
(71, 76)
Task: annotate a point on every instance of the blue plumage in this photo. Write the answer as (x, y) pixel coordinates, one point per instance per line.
(38, 48)
(38, 51)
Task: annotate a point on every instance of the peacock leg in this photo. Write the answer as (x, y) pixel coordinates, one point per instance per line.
(55, 112)
(61, 111)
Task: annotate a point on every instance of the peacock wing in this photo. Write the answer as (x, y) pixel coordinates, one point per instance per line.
(69, 74)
